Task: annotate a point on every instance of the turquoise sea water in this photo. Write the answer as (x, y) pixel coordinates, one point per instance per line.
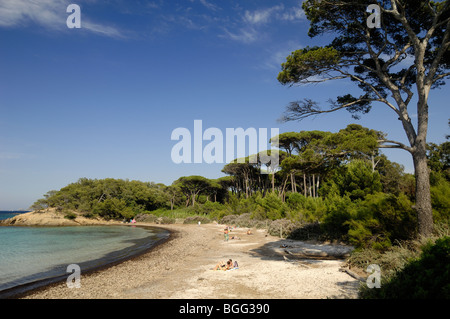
(32, 254)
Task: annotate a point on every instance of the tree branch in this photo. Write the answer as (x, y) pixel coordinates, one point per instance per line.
(394, 144)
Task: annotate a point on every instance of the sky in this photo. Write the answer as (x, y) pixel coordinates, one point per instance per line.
(102, 101)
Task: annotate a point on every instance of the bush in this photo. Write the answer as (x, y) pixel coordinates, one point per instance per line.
(311, 231)
(440, 200)
(196, 219)
(305, 209)
(273, 206)
(427, 277)
(339, 211)
(357, 180)
(70, 216)
(295, 201)
(244, 220)
(241, 205)
(209, 208)
(146, 218)
(164, 220)
(282, 228)
(382, 219)
(113, 208)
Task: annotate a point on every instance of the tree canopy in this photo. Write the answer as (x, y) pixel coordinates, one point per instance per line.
(407, 55)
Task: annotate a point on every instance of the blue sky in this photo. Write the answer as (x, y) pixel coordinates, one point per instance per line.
(103, 100)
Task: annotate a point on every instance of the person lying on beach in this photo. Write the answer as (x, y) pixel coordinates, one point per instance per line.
(222, 266)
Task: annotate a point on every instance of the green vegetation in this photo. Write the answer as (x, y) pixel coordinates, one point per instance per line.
(374, 59)
(330, 186)
(425, 275)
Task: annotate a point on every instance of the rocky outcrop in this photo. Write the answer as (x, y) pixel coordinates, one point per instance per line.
(51, 217)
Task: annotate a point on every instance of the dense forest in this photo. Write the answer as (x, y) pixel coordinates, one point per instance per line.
(338, 183)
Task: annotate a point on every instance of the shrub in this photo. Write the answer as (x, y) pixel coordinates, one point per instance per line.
(164, 220)
(357, 180)
(440, 200)
(295, 201)
(70, 216)
(339, 211)
(273, 206)
(382, 219)
(310, 231)
(390, 261)
(282, 228)
(113, 208)
(244, 220)
(209, 208)
(427, 277)
(146, 218)
(196, 219)
(241, 205)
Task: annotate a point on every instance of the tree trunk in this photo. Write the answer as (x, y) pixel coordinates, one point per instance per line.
(292, 182)
(314, 185)
(273, 182)
(318, 184)
(295, 184)
(423, 196)
(304, 184)
(246, 187)
(310, 185)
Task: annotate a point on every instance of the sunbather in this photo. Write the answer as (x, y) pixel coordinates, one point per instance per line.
(222, 266)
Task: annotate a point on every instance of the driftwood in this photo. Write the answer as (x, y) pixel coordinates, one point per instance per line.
(352, 274)
(320, 255)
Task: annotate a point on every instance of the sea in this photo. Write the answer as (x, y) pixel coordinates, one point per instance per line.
(31, 257)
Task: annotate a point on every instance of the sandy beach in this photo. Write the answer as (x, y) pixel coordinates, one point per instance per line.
(182, 268)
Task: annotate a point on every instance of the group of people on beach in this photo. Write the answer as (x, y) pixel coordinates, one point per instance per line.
(226, 266)
(229, 264)
(227, 230)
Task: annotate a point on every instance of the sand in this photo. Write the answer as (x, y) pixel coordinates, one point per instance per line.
(182, 268)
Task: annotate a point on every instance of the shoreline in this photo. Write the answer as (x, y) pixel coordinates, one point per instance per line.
(32, 287)
(181, 266)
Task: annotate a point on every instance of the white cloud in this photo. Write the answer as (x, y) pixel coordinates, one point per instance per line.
(209, 5)
(293, 14)
(247, 35)
(20, 12)
(252, 22)
(261, 16)
(49, 14)
(102, 29)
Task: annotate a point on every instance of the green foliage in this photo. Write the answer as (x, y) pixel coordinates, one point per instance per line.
(381, 219)
(113, 208)
(440, 200)
(348, 205)
(305, 209)
(295, 201)
(427, 277)
(89, 196)
(193, 186)
(307, 62)
(70, 216)
(272, 205)
(439, 158)
(339, 211)
(357, 180)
